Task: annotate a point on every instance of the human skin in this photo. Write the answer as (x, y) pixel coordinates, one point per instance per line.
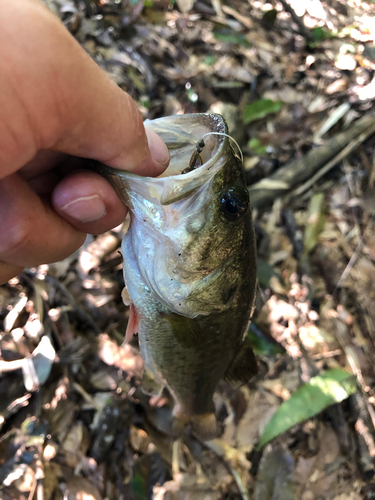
(56, 107)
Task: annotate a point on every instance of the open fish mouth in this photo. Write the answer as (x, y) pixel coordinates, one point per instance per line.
(197, 144)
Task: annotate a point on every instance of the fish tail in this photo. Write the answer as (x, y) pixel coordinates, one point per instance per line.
(203, 426)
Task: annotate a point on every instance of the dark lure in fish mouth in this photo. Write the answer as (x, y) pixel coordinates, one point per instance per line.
(190, 266)
(196, 159)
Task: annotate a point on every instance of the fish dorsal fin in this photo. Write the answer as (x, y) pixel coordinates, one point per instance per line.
(244, 365)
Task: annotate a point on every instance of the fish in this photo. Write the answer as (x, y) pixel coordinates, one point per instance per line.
(190, 266)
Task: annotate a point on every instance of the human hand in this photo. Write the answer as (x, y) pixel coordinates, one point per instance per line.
(56, 105)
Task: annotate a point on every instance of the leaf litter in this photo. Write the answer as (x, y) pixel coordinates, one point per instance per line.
(291, 78)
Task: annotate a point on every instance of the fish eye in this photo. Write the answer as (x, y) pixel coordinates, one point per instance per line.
(234, 204)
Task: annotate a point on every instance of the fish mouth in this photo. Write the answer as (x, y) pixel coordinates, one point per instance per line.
(181, 134)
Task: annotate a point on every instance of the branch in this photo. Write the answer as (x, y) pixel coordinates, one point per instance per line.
(316, 162)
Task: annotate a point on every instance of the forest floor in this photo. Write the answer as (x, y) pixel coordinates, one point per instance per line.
(288, 77)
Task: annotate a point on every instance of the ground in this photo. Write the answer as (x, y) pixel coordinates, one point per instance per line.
(295, 81)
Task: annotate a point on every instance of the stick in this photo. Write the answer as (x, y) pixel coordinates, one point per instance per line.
(339, 157)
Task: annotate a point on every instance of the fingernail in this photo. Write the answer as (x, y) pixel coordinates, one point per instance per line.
(86, 208)
(159, 150)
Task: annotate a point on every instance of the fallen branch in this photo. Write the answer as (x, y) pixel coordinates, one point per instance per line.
(316, 162)
(352, 146)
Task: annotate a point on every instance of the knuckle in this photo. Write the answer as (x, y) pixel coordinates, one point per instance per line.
(14, 242)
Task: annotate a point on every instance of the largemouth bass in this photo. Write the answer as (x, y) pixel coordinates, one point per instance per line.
(190, 265)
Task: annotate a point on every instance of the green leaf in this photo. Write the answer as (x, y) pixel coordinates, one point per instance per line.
(230, 36)
(270, 16)
(321, 34)
(262, 344)
(209, 60)
(257, 146)
(265, 272)
(260, 109)
(139, 487)
(145, 101)
(326, 389)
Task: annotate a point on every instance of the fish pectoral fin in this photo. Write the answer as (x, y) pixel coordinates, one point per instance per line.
(205, 426)
(244, 365)
(186, 330)
(132, 326)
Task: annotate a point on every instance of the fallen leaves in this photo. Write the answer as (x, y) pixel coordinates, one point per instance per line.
(286, 87)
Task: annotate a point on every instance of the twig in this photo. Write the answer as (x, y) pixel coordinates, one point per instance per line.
(86, 396)
(324, 355)
(305, 32)
(79, 309)
(339, 157)
(354, 257)
(84, 316)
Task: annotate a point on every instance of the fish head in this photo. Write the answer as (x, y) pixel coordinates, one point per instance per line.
(191, 230)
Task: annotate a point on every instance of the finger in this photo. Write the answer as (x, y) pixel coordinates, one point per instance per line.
(8, 271)
(55, 97)
(32, 232)
(43, 161)
(45, 183)
(88, 202)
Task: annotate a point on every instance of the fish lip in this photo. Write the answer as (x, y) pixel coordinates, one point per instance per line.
(171, 188)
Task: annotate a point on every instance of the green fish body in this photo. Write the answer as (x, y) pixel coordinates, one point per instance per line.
(190, 265)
